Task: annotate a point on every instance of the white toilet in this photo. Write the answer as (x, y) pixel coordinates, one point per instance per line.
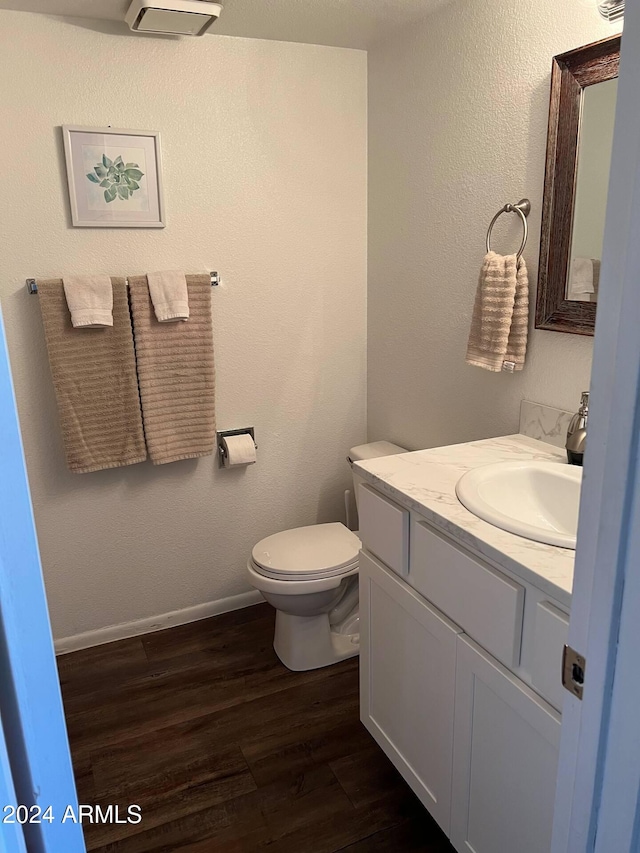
(310, 576)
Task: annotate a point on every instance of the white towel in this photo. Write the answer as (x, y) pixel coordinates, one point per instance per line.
(169, 295)
(90, 300)
(581, 278)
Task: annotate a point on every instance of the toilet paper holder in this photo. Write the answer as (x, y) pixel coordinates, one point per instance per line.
(220, 434)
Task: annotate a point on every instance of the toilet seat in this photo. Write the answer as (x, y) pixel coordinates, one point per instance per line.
(307, 553)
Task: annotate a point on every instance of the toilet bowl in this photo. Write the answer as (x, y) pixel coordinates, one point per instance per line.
(310, 575)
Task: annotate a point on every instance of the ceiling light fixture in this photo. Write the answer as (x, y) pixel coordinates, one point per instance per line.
(172, 17)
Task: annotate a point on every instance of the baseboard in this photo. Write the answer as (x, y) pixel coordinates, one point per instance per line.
(156, 623)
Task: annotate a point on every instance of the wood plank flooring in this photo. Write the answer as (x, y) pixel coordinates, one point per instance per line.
(225, 750)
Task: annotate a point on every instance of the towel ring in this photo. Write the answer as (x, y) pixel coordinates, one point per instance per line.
(523, 209)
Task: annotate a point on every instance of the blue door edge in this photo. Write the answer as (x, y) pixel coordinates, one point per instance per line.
(30, 700)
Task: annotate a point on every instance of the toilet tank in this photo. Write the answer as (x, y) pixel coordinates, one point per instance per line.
(374, 450)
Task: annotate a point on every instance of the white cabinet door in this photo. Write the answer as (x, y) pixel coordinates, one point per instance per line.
(407, 683)
(505, 759)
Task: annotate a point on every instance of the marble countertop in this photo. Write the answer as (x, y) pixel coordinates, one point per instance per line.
(425, 482)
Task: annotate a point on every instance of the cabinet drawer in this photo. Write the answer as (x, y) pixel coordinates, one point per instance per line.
(551, 632)
(384, 529)
(488, 606)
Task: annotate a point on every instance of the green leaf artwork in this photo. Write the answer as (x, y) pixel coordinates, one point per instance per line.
(117, 178)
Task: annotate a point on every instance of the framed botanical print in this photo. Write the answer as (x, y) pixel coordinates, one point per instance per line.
(115, 177)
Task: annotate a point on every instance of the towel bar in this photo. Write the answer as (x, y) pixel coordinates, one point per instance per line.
(523, 209)
(32, 285)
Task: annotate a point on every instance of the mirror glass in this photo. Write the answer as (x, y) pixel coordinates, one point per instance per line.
(595, 142)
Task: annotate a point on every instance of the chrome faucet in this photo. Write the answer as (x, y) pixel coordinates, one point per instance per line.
(577, 432)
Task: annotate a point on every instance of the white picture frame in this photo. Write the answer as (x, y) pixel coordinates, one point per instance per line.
(114, 177)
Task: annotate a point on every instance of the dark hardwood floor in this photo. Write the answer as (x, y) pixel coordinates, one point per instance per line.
(225, 750)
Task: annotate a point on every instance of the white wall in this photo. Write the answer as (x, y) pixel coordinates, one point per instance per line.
(457, 127)
(264, 148)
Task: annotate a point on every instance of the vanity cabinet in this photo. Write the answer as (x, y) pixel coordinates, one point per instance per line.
(407, 680)
(458, 660)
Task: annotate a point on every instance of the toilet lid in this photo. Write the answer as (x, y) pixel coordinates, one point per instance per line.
(321, 550)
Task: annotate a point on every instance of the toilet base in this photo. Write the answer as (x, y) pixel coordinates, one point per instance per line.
(307, 642)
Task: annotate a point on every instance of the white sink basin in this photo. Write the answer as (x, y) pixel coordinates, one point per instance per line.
(537, 500)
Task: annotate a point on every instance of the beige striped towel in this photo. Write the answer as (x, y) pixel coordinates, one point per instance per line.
(176, 373)
(500, 323)
(94, 376)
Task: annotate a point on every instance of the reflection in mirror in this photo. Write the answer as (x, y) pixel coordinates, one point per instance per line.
(592, 183)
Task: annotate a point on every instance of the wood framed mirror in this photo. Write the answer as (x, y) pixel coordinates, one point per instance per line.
(580, 135)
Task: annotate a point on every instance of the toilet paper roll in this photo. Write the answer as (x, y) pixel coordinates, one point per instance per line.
(239, 450)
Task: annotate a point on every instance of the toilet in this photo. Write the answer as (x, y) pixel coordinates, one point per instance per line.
(310, 575)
